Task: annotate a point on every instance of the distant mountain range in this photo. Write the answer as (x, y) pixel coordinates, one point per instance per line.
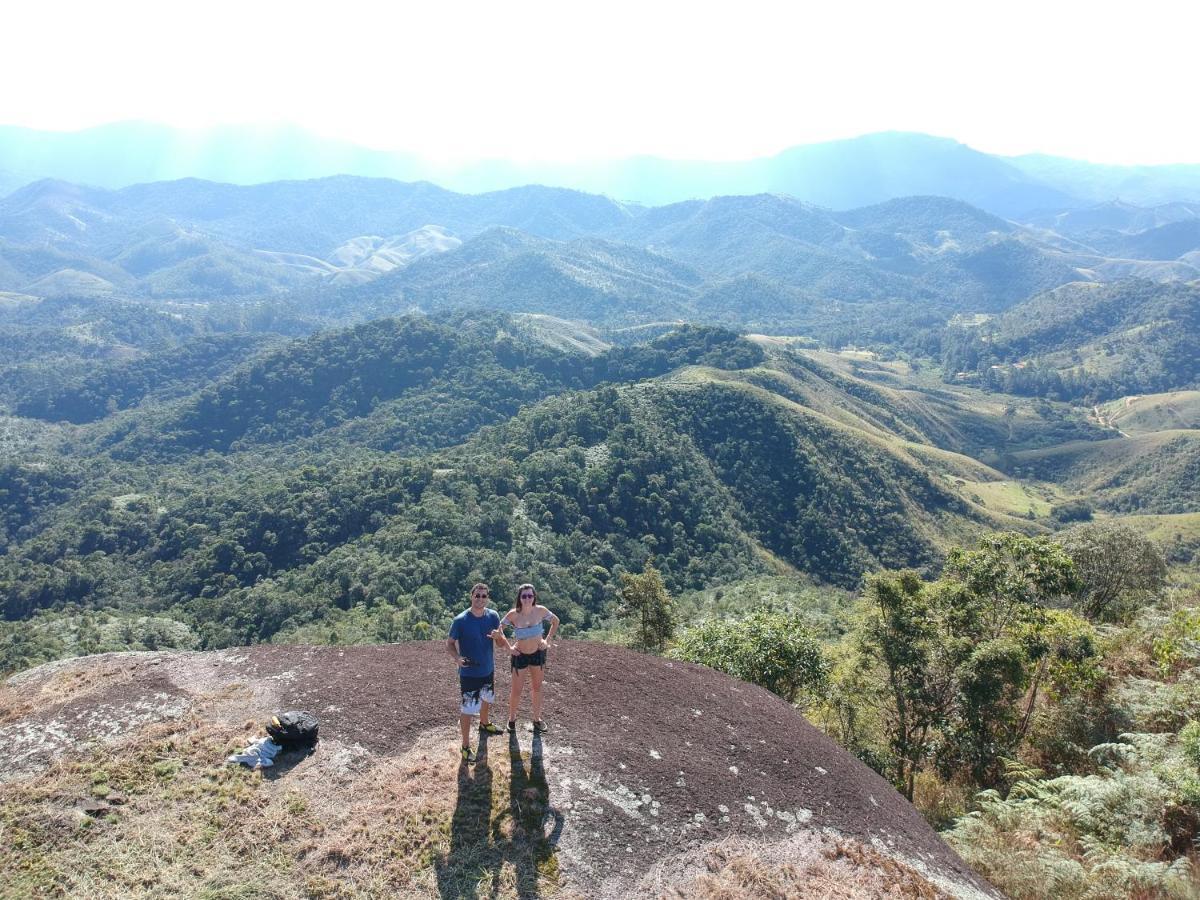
(193, 238)
(839, 174)
(352, 248)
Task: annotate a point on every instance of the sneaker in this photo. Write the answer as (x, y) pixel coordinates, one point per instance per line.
(490, 728)
(467, 755)
(540, 727)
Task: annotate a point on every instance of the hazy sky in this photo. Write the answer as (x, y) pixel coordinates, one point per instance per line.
(571, 80)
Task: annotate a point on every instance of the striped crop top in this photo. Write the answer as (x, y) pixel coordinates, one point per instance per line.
(529, 631)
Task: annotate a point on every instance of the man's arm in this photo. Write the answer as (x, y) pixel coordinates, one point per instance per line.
(452, 649)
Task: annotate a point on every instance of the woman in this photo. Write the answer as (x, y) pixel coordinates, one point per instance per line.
(528, 653)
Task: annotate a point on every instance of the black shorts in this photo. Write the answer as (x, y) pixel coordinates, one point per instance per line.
(476, 689)
(524, 660)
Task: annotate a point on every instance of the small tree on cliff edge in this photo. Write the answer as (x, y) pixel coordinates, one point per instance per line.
(644, 600)
(955, 667)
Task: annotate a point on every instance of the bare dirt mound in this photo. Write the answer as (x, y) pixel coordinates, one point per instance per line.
(657, 778)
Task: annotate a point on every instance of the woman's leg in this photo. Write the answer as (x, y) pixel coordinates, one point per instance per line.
(535, 690)
(514, 693)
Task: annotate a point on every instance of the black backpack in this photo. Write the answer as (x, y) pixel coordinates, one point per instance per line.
(293, 729)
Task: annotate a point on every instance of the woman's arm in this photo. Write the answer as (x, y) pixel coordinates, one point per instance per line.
(500, 637)
(553, 628)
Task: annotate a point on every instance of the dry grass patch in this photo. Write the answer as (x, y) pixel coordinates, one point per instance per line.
(822, 867)
(62, 686)
(162, 815)
(168, 819)
(13, 705)
(423, 825)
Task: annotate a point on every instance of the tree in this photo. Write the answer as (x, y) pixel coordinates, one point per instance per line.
(1072, 511)
(900, 638)
(645, 600)
(996, 605)
(1009, 579)
(1119, 569)
(764, 648)
(956, 665)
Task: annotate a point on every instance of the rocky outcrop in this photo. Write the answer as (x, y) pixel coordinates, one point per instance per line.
(652, 770)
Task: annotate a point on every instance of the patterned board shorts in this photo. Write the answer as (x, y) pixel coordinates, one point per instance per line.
(476, 689)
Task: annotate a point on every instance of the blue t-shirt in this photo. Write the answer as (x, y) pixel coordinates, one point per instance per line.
(471, 632)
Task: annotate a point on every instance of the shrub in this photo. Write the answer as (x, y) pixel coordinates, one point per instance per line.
(645, 602)
(1119, 569)
(765, 648)
(1098, 836)
(1072, 511)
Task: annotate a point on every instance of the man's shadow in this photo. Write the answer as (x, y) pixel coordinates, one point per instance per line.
(472, 855)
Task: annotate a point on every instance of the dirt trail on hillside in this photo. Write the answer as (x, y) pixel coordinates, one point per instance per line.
(647, 759)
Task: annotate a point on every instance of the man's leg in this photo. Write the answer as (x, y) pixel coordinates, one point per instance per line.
(470, 708)
(487, 696)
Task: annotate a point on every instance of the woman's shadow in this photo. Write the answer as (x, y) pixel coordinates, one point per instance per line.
(536, 826)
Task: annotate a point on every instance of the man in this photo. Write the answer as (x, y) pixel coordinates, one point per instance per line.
(473, 634)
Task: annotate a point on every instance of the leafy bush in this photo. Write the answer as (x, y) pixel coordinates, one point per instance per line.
(954, 668)
(1072, 511)
(54, 635)
(645, 601)
(764, 648)
(1189, 743)
(1119, 569)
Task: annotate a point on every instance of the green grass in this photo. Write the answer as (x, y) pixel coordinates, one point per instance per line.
(1144, 473)
(1178, 534)
(1014, 498)
(1154, 412)
(1098, 458)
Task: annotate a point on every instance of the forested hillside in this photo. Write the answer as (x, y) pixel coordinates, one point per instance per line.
(833, 449)
(1086, 341)
(324, 243)
(713, 479)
